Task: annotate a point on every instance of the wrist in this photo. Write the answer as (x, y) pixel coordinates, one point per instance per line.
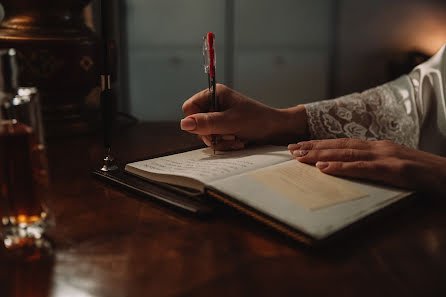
(290, 124)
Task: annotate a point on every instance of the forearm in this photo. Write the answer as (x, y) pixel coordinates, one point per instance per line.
(380, 113)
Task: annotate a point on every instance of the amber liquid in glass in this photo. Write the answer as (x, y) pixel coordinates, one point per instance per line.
(22, 178)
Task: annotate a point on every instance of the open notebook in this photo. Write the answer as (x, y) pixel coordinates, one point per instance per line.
(266, 183)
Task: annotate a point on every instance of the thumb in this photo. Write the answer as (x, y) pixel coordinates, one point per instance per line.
(206, 123)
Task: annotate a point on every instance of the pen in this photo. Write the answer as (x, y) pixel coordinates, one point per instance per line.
(209, 68)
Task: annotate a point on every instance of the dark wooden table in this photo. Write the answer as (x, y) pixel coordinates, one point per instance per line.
(111, 243)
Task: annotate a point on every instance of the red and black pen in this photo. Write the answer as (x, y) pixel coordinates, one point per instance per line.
(209, 68)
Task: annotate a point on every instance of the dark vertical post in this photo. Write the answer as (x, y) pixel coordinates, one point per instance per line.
(123, 70)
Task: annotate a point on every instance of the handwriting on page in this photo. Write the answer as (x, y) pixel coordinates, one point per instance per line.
(204, 166)
(200, 167)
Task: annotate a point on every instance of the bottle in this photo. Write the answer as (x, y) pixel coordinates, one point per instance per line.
(19, 174)
(23, 167)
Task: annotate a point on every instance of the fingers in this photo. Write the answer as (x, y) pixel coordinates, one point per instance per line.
(345, 150)
(224, 142)
(208, 123)
(344, 155)
(207, 139)
(199, 121)
(197, 103)
(377, 171)
(358, 169)
(332, 144)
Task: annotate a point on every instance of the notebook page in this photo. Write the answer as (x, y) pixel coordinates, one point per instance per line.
(318, 222)
(204, 166)
(306, 185)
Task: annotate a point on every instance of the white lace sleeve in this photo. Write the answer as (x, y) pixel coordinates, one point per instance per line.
(384, 112)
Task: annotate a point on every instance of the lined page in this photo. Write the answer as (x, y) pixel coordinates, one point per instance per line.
(202, 165)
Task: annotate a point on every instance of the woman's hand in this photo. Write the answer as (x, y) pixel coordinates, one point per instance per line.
(382, 161)
(241, 120)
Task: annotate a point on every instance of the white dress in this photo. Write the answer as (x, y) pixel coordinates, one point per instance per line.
(410, 110)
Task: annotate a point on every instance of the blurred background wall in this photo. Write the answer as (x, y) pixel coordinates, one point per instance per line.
(281, 52)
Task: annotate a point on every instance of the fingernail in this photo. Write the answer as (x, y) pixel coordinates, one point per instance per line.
(294, 146)
(188, 124)
(321, 165)
(206, 141)
(300, 153)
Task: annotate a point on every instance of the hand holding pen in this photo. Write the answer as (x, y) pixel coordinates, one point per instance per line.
(241, 120)
(235, 118)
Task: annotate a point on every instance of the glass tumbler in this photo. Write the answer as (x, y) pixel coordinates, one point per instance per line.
(23, 165)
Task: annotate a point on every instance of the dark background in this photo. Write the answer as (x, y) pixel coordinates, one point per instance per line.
(282, 52)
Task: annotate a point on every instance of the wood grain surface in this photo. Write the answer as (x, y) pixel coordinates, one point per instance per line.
(111, 243)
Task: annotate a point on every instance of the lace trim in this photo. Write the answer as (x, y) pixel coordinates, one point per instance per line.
(376, 114)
